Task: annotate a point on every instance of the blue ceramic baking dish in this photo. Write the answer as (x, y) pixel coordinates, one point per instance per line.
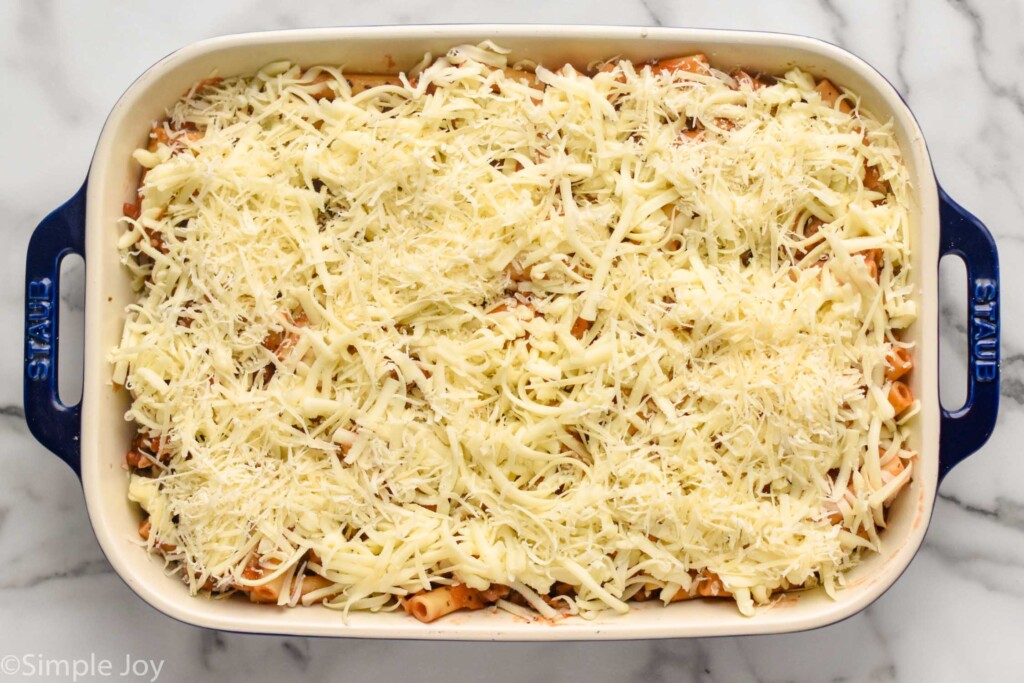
(91, 436)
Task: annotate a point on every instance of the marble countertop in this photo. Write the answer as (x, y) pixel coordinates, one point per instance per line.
(952, 617)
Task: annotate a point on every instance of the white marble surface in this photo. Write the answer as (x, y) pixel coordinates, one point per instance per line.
(956, 615)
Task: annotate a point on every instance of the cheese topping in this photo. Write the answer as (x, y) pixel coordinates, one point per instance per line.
(473, 328)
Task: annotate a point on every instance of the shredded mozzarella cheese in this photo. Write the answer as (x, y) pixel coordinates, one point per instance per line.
(472, 328)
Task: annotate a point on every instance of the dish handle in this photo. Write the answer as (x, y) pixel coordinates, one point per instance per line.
(56, 425)
(966, 429)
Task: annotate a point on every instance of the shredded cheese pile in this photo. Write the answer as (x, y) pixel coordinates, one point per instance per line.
(524, 335)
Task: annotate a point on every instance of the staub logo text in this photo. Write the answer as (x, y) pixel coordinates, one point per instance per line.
(39, 329)
(985, 329)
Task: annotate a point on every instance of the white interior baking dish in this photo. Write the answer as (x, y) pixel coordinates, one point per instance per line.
(92, 437)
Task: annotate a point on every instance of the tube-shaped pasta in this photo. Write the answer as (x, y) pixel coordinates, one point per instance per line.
(437, 602)
(683, 594)
(691, 134)
(900, 396)
(517, 273)
(145, 451)
(280, 343)
(873, 180)
(211, 82)
(830, 94)
(146, 529)
(432, 604)
(893, 469)
(357, 83)
(472, 598)
(522, 309)
(313, 582)
(524, 77)
(264, 593)
(898, 363)
(268, 592)
(872, 268)
(645, 593)
(873, 260)
(695, 64)
(138, 460)
(580, 327)
(745, 79)
(609, 67)
(710, 585)
(894, 466)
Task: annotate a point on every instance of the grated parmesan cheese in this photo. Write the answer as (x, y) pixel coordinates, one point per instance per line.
(356, 331)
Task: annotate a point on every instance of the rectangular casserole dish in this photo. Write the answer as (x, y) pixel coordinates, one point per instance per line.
(93, 435)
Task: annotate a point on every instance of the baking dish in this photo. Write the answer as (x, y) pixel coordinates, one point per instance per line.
(92, 436)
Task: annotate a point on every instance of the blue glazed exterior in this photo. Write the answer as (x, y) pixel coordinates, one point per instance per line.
(55, 425)
(965, 430)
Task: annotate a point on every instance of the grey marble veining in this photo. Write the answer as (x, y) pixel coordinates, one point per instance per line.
(956, 615)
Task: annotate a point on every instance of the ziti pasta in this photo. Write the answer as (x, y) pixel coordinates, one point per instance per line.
(550, 340)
